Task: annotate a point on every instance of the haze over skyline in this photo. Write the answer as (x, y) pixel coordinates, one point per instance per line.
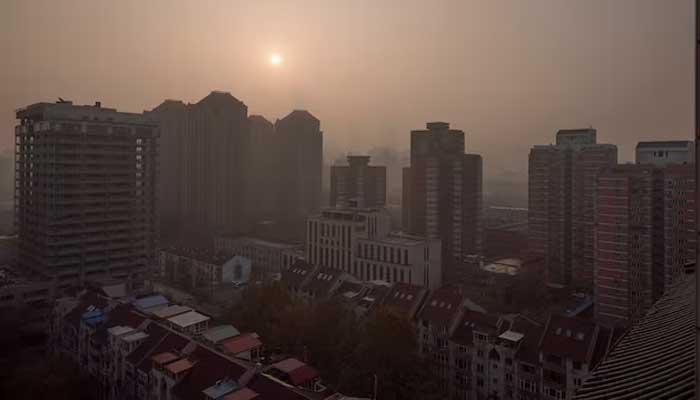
(508, 73)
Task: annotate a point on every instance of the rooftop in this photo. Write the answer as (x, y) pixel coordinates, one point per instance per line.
(684, 144)
(219, 333)
(187, 319)
(655, 360)
(166, 312)
(179, 366)
(150, 302)
(241, 343)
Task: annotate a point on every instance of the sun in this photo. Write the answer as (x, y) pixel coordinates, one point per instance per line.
(275, 59)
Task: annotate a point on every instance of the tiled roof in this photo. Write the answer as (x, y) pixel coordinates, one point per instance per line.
(241, 343)
(297, 371)
(150, 301)
(442, 307)
(570, 337)
(210, 367)
(179, 366)
(349, 291)
(528, 349)
(322, 282)
(474, 321)
(221, 332)
(655, 360)
(241, 394)
(297, 274)
(404, 299)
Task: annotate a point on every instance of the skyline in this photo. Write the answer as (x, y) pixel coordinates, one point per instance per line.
(628, 74)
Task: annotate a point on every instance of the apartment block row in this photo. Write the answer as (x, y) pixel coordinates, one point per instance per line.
(222, 171)
(483, 356)
(149, 348)
(476, 354)
(621, 231)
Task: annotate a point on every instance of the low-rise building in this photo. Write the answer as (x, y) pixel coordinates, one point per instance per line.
(131, 356)
(358, 241)
(266, 256)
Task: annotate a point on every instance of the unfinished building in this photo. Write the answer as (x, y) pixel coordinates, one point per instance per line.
(85, 179)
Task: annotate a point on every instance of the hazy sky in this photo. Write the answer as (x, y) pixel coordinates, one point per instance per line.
(507, 72)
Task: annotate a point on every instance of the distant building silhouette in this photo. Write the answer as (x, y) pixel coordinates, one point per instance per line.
(442, 194)
(263, 168)
(562, 181)
(202, 166)
(85, 183)
(300, 142)
(358, 184)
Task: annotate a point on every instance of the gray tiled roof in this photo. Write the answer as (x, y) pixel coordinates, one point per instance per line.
(656, 359)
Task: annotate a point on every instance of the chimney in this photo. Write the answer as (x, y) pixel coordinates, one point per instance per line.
(98, 104)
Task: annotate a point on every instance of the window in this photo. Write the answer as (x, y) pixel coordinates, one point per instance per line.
(527, 386)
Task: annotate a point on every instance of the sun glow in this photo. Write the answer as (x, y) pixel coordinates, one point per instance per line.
(275, 59)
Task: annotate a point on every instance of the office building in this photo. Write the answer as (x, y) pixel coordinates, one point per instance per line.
(360, 243)
(442, 191)
(358, 184)
(562, 182)
(85, 183)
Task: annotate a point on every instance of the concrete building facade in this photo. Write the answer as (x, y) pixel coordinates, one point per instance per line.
(561, 193)
(85, 186)
(359, 242)
(442, 191)
(629, 222)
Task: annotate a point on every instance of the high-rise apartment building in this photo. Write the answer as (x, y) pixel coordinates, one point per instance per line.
(85, 183)
(262, 170)
(300, 141)
(204, 152)
(676, 160)
(358, 184)
(662, 153)
(562, 182)
(629, 227)
(442, 191)
(680, 228)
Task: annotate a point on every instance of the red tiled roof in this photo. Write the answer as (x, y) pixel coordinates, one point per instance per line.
(302, 375)
(474, 321)
(162, 358)
(179, 366)
(241, 394)
(209, 368)
(442, 307)
(404, 298)
(241, 343)
(529, 349)
(569, 337)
